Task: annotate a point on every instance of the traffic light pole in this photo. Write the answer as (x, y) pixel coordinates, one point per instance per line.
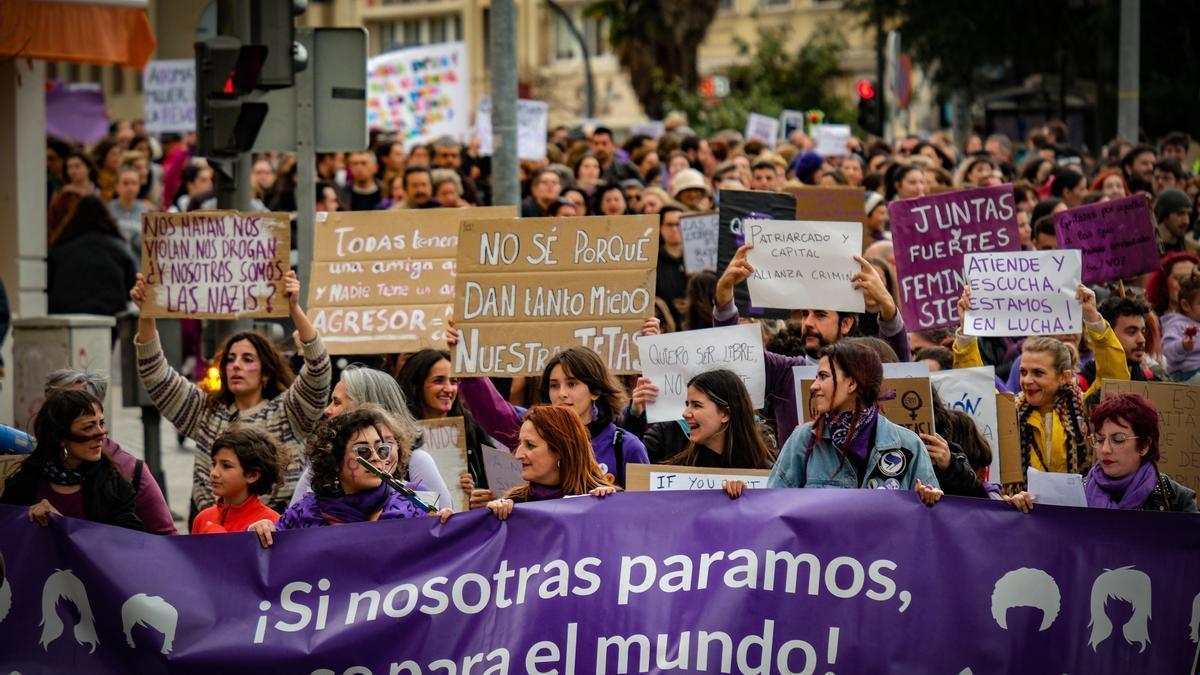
(505, 169)
(306, 164)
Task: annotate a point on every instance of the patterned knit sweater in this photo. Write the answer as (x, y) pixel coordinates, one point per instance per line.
(289, 417)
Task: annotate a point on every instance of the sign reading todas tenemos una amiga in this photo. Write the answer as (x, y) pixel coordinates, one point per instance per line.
(530, 287)
(215, 264)
(932, 234)
(383, 281)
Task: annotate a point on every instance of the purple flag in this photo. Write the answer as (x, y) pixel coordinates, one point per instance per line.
(932, 234)
(813, 581)
(1116, 237)
(76, 111)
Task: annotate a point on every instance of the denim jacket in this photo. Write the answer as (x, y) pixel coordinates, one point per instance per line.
(897, 460)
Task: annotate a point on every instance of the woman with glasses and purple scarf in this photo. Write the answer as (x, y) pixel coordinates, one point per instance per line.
(344, 491)
(1125, 475)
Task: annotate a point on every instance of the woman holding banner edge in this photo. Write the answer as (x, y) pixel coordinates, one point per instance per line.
(1056, 437)
(257, 387)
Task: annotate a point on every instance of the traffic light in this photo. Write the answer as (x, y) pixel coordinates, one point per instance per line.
(227, 70)
(869, 117)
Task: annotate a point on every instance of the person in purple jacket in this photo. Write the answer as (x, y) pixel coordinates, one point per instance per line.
(576, 378)
(149, 503)
(821, 329)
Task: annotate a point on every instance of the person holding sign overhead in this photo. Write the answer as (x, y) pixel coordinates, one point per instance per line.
(555, 458)
(821, 329)
(257, 387)
(849, 444)
(1050, 411)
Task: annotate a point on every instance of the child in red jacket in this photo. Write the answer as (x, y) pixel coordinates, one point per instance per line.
(247, 463)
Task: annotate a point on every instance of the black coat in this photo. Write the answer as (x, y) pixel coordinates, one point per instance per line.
(90, 274)
(107, 497)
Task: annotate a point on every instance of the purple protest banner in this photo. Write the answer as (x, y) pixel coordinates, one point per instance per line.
(931, 234)
(789, 581)
(76, 111)
(1116, 237)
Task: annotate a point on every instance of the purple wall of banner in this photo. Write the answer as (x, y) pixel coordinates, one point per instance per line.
(816, 581)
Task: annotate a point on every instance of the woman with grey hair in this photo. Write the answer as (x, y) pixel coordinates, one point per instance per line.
(149, 503)
(359, 385)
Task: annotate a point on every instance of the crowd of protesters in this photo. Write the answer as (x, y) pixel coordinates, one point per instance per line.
(279, 450)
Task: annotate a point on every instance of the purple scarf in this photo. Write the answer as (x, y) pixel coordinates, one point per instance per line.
(539, 492)
(316, 511)
(1133, 489)
(859, 446)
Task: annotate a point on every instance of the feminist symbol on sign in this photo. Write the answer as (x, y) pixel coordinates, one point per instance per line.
(911, 401)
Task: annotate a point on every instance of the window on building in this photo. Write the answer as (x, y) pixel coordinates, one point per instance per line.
(118, 81)
(595, 36)
(774, 3)
(411, 32)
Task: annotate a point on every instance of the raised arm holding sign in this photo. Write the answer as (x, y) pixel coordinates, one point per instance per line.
(1023, 293)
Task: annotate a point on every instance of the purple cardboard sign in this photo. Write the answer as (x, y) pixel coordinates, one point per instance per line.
(1116, 238)
(778, 581)
(932, 234)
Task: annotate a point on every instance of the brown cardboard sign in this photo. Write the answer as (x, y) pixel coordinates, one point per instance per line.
(658, 477)
(911, 408)
(1178, 425)
(529, 288)
(383, 281)
(834, 204)
(1009, 440)
(446, 441)
(215, 264)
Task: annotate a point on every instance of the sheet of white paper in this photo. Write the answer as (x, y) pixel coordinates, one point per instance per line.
(503, 471)
(763, 128)
(831, 139)
(973, 391)
(532, 119)
(804, 264)
(1023, 293)
(671, 359)
(701, 235)
(674, 480)
(1055, 489)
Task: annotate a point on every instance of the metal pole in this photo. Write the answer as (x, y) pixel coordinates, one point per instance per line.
(881, 83)
(1129, 70)
(506, 187)
(151, 437)
(588, 85)
(306, 165)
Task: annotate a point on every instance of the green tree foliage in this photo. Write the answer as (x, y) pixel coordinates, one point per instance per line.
(655, 40)
(771, 79)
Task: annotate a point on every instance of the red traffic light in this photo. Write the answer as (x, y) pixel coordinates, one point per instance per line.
(866, 89)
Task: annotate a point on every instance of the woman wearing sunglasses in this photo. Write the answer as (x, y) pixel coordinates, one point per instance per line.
(343, 490)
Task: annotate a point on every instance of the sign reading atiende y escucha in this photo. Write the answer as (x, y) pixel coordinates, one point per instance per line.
(528, 288)
(1023, 293)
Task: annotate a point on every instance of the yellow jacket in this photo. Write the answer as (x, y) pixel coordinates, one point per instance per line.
(1110, 365)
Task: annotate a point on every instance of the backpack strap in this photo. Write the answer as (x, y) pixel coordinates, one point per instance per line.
(619, 455)
(137, 476)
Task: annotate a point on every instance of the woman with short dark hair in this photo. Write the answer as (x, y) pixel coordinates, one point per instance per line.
(1126, 475)
(67, 474)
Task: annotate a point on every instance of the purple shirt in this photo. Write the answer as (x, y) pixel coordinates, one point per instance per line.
(70, 505)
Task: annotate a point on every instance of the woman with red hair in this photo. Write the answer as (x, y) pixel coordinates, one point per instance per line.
(1125, 475)
(1162, 290)
(1111, 184)
(556, 458)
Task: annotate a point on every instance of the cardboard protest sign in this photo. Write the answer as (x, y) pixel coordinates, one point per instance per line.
(215, 264)
(832, 139)
(528, 288)
(843, 204)
(737, 206)
(1010, 440)
(973, 391)
(1116, 238)
(911, 408)
(383, 281)
(421, 92)
(762, 127)
(660, 477)
(169, 96)
(671, 359)
(446, 441)
(1178, 420)
(932, 234)
(1023, 293)
(503, 471)
(654, 129)
(701, 234)
(532, 119)
(804, 264)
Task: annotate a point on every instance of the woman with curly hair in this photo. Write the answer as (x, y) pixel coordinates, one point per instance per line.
(556, 458)
(343, 490)
(1050, 411)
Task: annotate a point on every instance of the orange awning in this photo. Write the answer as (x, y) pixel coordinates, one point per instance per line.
(79, 32)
